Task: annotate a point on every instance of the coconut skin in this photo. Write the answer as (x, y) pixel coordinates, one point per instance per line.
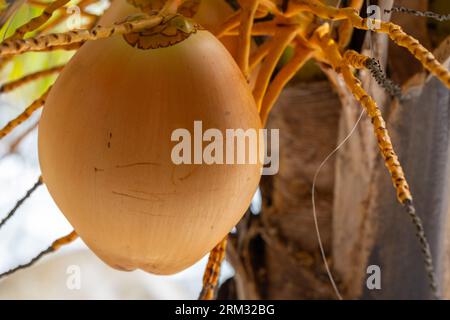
(105, 150)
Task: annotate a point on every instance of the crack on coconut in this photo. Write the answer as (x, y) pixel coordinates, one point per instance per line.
(135, 164)
(130, 196)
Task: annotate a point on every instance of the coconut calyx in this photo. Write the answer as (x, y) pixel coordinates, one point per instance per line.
(172, 30)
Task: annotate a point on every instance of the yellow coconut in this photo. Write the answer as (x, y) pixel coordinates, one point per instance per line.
(106, 149)
(210, 14)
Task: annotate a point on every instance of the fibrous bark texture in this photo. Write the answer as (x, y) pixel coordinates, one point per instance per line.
(276, 253)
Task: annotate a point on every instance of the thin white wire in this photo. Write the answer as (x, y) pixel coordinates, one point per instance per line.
(313, 189)
(316, 224)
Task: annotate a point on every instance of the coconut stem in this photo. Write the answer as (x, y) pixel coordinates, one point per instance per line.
(42, 43)
(52, 248)
(281, 41)
(10, 86)
(21, 201)
(38, 21)
(301, 56)
(212, 271)
(26, 114)
(245, 33)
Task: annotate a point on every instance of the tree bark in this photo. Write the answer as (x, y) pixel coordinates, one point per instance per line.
(276, 254)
